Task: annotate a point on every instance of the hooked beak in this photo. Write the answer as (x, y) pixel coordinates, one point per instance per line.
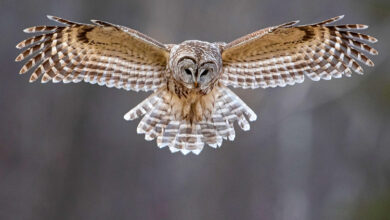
(195, 81)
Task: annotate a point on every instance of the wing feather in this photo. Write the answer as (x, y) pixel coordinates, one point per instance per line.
(101, 53)
(284, 54)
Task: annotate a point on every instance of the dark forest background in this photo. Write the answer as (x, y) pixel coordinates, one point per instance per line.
(319, 150)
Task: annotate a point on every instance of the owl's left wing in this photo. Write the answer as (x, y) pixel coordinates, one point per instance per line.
(282, 55)
(102, 53)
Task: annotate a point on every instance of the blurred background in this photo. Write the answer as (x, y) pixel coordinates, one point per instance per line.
(319, 150)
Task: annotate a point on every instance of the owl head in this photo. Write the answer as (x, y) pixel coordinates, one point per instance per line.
(196, 64)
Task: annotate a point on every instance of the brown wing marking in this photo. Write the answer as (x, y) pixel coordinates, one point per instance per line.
(284, 54)
(101, 53)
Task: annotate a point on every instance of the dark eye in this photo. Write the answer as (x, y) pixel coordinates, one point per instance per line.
(204, 72)
(188, 71)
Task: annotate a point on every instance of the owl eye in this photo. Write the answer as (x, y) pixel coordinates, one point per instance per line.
(204, 72)
(188, 71)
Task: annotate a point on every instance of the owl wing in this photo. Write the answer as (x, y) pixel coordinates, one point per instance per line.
(101, 53)
(282, 55)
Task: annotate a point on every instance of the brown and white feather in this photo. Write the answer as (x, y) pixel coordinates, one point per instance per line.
(162, 120)
(106, 54)
(284, 54)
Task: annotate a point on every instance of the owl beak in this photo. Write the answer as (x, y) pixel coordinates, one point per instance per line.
(195, 81)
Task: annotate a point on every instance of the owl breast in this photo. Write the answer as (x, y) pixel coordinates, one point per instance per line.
(193, 105)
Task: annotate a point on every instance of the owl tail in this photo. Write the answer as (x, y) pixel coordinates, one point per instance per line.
(162, 122)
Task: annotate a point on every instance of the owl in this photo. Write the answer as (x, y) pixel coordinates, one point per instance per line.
(191, 104)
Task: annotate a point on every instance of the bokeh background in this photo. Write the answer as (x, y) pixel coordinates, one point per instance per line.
(319, 150)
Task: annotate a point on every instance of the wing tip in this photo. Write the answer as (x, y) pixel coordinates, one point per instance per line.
(369, 62)
(362, 26)
(94, 21)
(330, 20)
(20, 45)
(19, 58)
(291, 23)
(31, 80)
(23, 70)
(337, 18)
(29, 30)
(56, 19)
(287, 24)
(52, 17)
(372, 39)
(61, 20)
(101, 23)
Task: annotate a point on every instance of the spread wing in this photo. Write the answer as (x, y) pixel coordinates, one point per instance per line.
(283, 55)
(101, 53)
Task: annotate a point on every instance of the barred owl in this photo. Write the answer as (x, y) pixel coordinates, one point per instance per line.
(191, 103)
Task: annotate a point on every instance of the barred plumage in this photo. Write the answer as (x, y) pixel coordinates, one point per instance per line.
(191, 105)
(282, 55)
(76, 52)
(162, 121)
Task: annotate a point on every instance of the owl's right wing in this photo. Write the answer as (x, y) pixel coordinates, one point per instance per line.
(101, 53)
(283, 55)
